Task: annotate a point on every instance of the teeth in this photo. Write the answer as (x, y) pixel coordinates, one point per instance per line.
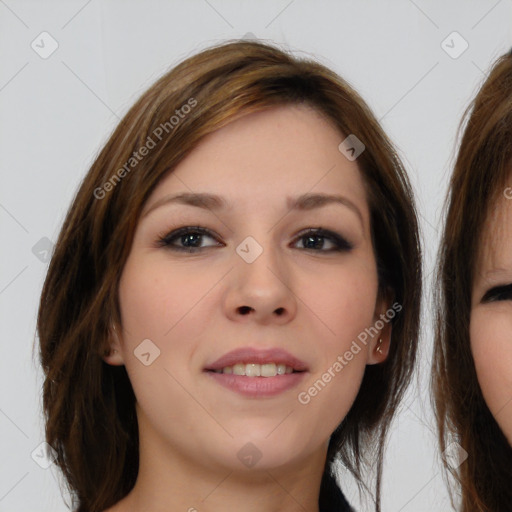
(238, 369)
(253, 370)
(257, 370)
(268, 370)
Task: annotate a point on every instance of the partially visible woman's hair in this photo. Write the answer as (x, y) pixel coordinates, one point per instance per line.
(482, 168)
(88, 404)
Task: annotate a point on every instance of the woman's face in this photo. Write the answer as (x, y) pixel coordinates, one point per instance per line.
(491, 315)
(251, 279)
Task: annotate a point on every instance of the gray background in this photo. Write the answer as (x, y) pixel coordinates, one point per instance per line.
(57, 112)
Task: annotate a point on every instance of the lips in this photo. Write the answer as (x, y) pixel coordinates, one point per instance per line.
(249, 355)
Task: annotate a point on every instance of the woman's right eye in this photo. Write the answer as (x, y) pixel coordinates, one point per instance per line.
(190, 238)
(498, 293)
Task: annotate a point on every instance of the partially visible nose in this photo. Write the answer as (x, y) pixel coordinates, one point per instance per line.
(260, 291)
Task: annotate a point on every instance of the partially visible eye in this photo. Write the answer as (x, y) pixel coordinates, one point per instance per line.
(189, 236)
(315, 237)
(498, 293)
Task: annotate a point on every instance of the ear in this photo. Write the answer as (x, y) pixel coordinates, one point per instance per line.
(113, 355)
(378, 349)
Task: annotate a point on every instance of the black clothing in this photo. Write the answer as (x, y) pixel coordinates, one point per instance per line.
(331, 497)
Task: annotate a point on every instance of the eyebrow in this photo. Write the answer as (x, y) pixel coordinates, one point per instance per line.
(304, 202)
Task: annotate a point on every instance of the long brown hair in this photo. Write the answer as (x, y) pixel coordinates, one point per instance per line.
(88, 404)
(481, 171)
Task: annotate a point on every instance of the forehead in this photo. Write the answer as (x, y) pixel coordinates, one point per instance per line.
(263, 155)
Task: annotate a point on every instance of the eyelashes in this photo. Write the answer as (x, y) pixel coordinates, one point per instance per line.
(189, 233)
(193, 234)
(498, 293)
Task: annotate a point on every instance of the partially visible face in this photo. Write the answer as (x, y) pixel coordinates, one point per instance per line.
(491, 315)
(248, 275)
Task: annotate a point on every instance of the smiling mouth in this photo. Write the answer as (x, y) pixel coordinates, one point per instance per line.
(256, 370)
(253, 380)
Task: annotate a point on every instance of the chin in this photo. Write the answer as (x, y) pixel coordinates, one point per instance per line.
(257, 453)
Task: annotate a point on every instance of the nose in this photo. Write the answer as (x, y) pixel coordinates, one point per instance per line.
(261, 291)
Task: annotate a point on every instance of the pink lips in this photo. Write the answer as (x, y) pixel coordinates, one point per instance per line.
(251, 355)
(256, 387)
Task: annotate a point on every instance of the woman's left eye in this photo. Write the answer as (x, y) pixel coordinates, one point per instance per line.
(190, 238)
(312, 235)
(498, 293)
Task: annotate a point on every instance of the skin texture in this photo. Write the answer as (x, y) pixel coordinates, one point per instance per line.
(187, 304)
(491, 320)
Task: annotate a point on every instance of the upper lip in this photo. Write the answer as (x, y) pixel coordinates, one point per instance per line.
(258, 356)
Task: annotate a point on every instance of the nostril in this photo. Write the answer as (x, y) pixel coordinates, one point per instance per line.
(245, 309)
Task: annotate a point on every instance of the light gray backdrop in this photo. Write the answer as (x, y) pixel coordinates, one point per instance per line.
(70, 70)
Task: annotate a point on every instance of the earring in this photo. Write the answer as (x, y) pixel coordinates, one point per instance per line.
(379, 348)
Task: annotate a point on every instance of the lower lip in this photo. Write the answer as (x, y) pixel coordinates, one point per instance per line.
(258, 386)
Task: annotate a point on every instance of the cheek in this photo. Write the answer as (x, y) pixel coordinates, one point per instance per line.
(346, 305)
(156, 300)
(162, 319)
(491, 345)
(344, 300)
